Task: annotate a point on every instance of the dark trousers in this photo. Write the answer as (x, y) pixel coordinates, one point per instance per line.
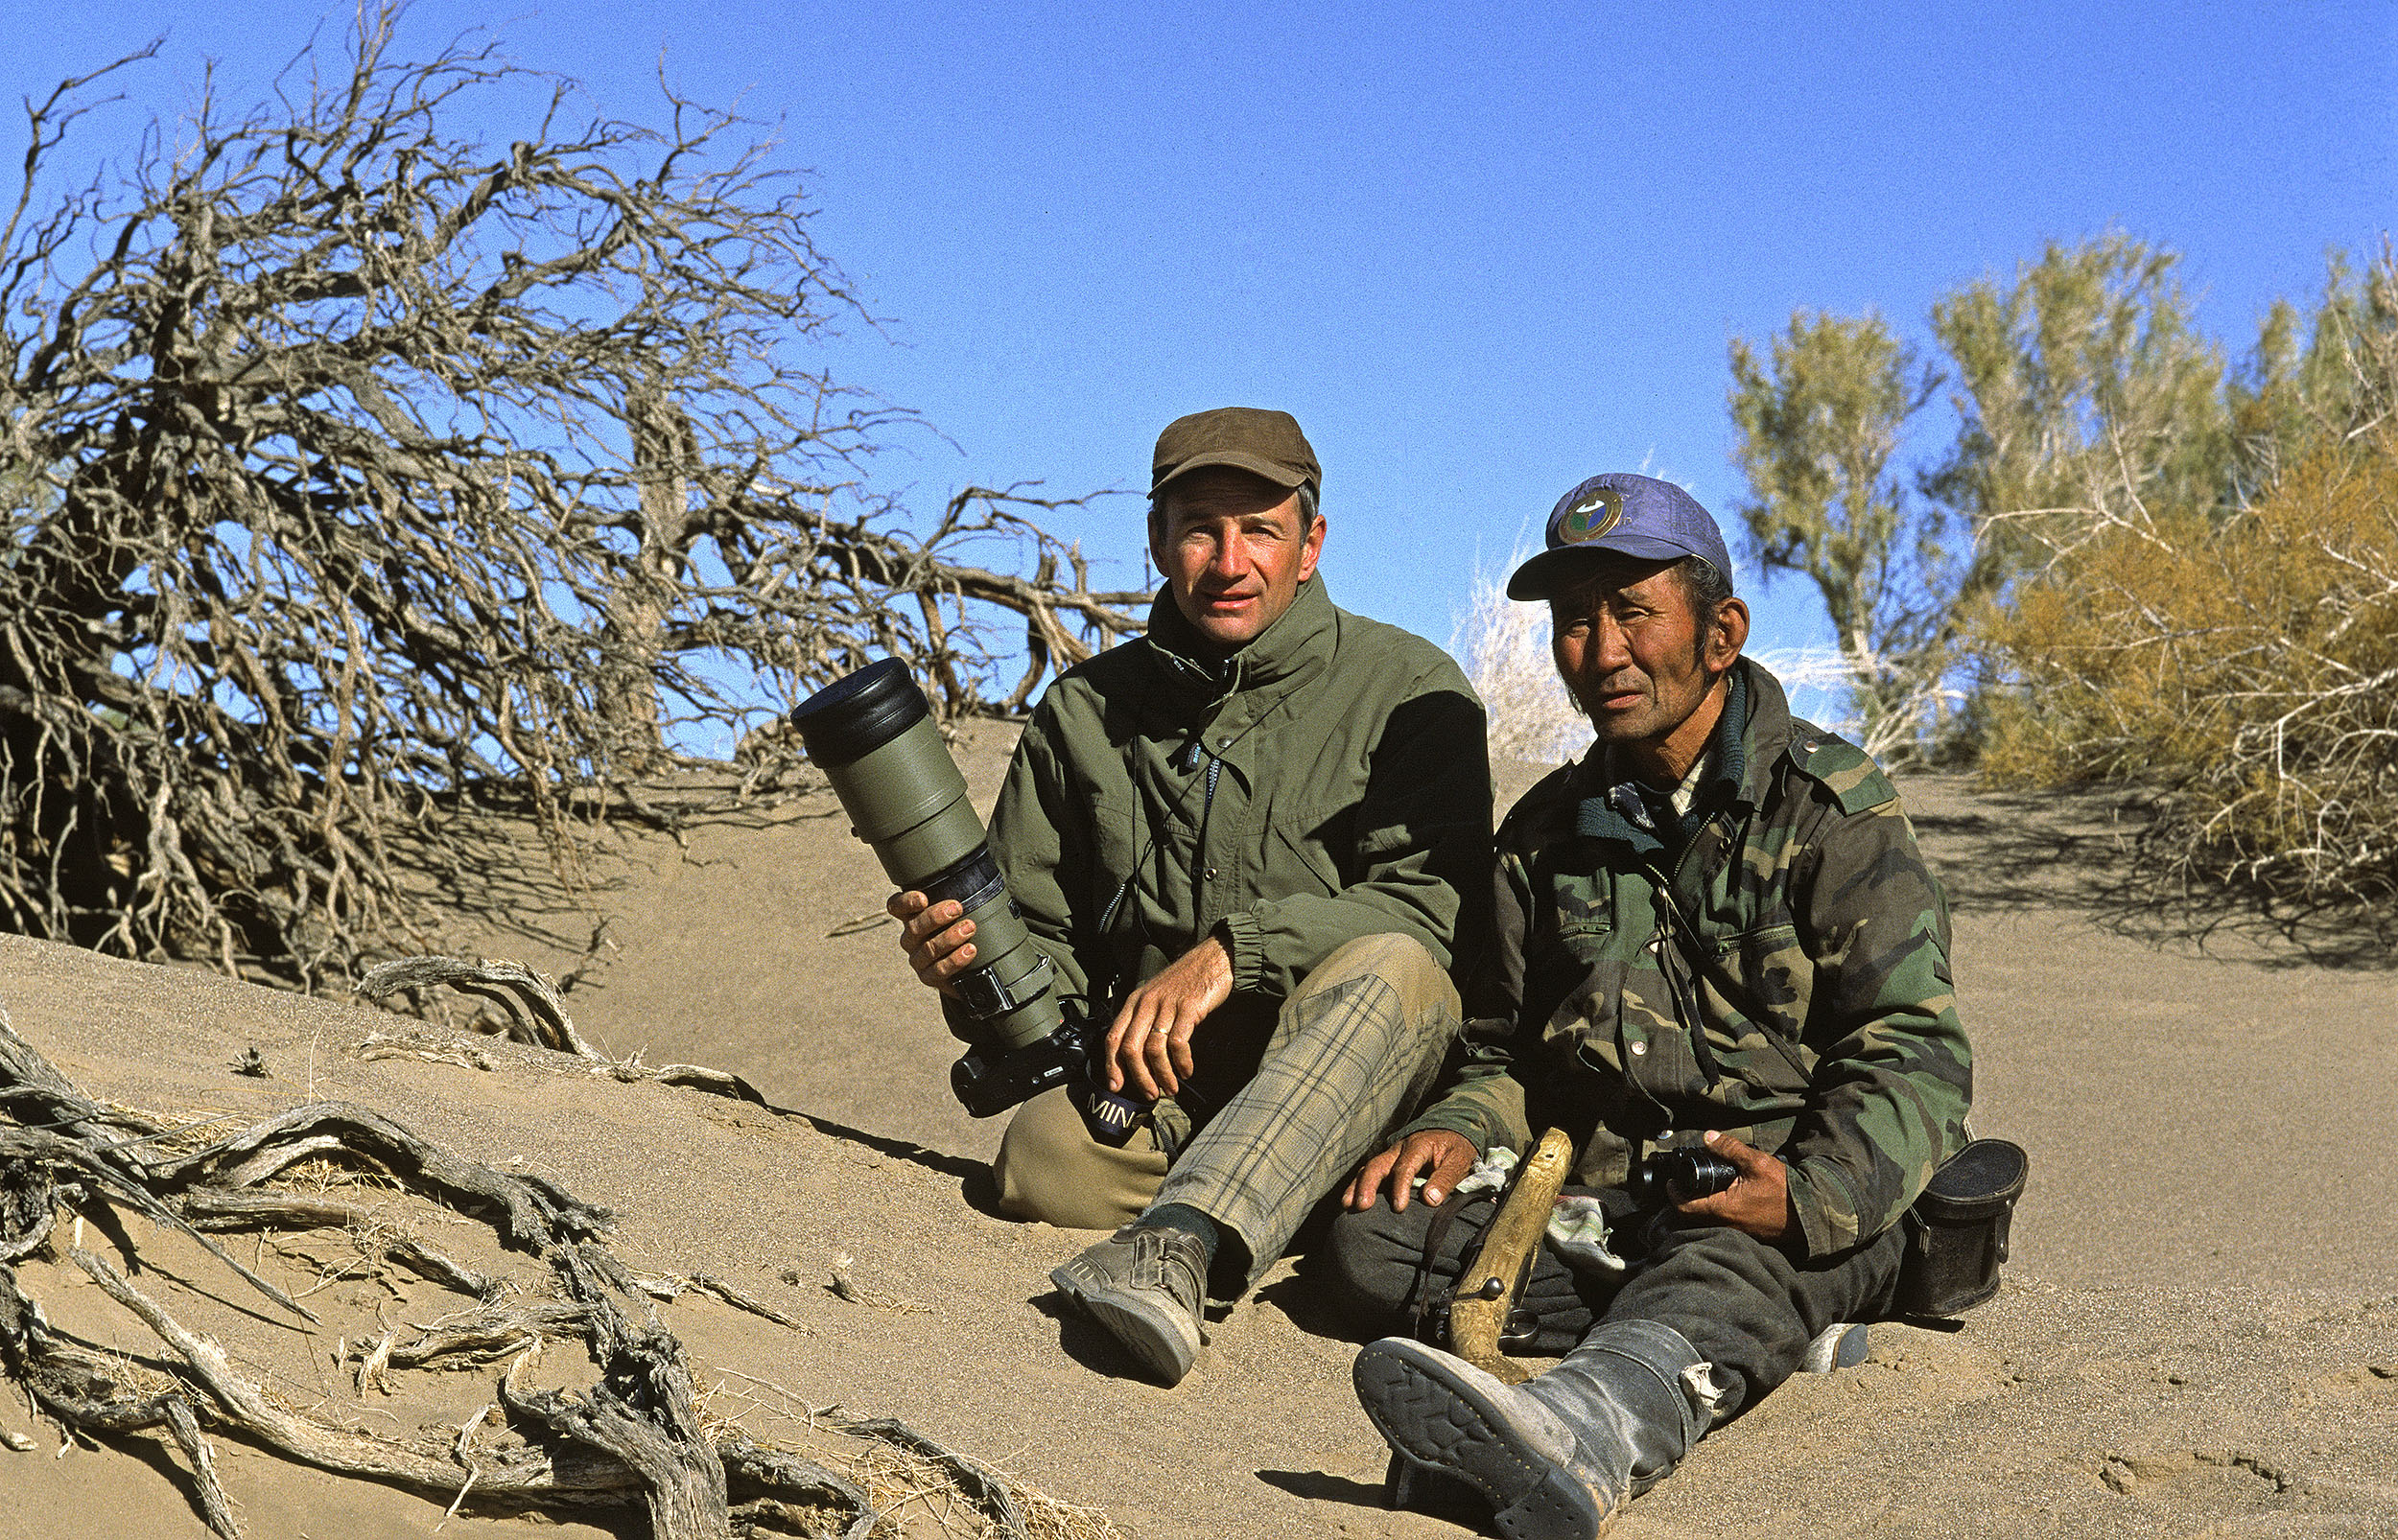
(1745, 1305)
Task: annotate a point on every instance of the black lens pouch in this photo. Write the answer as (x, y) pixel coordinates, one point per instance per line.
(1957, 1230)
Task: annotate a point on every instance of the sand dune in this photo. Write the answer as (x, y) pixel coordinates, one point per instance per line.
(2199, 1332)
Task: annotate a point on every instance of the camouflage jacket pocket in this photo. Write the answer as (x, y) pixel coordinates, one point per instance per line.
(1771, 977)
(1757, 985)
(1621, 1021)
(1584, 977)
(1575, 1079)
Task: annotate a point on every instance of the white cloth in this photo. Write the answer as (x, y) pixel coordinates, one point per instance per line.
(1577, 1230)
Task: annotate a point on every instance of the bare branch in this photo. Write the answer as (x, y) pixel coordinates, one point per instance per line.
(365, 481)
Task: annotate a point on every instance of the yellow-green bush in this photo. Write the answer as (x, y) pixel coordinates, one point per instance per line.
(2246, 668)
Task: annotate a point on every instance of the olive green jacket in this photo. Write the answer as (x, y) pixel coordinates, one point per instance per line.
(1787, 981)
(1329, 780)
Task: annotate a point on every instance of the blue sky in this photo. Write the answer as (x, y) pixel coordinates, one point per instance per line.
(1481, 252)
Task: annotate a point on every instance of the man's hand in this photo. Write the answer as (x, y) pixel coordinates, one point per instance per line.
(937, 938)
(1149, 1045)
(1440, 1156)
(1758, 1200)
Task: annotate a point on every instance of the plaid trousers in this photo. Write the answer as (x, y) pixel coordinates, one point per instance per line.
(1351, 1055)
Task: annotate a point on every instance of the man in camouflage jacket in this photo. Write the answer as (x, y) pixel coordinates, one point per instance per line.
(1248, 841)
(1715, 927)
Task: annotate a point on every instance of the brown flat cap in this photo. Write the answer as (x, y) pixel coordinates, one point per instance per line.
(1248, 438)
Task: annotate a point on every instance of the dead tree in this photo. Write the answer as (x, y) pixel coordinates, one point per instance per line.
(632, 1437)
(361, 478)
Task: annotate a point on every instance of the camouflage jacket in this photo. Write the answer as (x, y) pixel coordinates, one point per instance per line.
(1787, 981)
(1329, 780)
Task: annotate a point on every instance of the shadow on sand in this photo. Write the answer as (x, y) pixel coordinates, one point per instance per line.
(2086, 850)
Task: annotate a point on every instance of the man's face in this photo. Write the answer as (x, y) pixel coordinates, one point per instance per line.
(1633, 652)
(1233, 551)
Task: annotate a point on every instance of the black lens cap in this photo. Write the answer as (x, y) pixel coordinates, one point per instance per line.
(860, 712)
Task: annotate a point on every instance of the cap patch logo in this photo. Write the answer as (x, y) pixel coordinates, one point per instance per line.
(1592, 515)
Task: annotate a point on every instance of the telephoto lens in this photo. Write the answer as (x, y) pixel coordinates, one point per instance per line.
(1680, 1175)
(873, 736)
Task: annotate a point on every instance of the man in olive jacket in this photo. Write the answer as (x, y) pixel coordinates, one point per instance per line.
(1249, 841)
(1714, 931)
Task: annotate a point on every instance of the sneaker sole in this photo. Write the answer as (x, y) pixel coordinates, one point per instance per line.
(1147, 1331)
(1434, 1418)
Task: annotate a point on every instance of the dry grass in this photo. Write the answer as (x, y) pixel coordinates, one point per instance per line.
(901, 1481)
(1504, 648)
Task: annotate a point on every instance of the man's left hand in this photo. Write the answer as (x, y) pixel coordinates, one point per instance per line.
(1149, 1046)
(1758, 1200)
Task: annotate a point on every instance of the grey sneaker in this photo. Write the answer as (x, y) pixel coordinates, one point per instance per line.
(1442, 1414)
(1840, 1345)
(1143, 1284)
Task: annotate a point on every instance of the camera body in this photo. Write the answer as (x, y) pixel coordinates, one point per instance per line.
(1678, 1176)
(988, 1083)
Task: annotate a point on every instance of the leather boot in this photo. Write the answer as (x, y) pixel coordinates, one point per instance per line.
(1558, 1457)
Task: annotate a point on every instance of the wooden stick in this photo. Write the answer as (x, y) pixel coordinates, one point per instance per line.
(1487, 1292)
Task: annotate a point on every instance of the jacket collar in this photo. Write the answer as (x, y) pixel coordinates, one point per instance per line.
(1294, 645)
(1767, 733)
(1754, 729)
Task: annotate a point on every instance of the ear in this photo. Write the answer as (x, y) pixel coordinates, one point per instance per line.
(1311, 547)
(1727, 636)
(1157, 536)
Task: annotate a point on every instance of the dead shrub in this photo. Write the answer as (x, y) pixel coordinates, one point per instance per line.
(2245, 668)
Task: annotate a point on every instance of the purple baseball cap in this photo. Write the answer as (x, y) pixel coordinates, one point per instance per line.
(1637, 516)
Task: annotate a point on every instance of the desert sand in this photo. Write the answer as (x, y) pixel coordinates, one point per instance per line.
(2198, 1333)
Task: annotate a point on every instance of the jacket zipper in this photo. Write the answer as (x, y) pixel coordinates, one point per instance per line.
(1200, 867)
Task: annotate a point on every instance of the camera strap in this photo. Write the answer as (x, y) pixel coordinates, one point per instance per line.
(1189, 757)
(1686, 946)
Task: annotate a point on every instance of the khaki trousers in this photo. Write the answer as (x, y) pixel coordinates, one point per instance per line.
(1351, 1055)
